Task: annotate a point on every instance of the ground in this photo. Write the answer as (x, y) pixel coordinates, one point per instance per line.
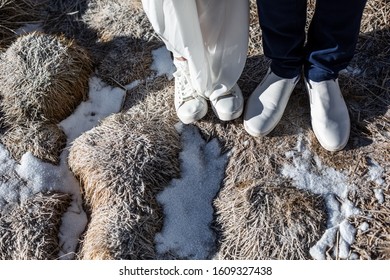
(278, 197)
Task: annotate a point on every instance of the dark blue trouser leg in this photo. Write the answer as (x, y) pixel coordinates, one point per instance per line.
(283, 31)
(331, 39)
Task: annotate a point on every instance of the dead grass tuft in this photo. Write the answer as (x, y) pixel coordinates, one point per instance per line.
(122, 164)
(15, 13)
(29, 231)
(126, 61)
(44, 140)
(126, 37)
(42, 78)
(262, 221)
(117, 34)
(65, 17)
(373, 224)
(115, 18)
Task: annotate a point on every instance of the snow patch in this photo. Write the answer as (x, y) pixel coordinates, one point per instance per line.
(103, 100)
(364, 226)
(20, 181)
(187, 201)
(162, 62)
(309, 173)
(375, 171)
(29, 28)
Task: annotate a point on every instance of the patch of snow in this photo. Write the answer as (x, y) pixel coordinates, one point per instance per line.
(364, 226)
(375, 171)
(379, 195)
(28, 28)
(10, 184)
(132, 85)
(43, 177)
(103, 100)
(309, 173)
(352, 71)
(22, 180)
(187, 201)
(162, 62)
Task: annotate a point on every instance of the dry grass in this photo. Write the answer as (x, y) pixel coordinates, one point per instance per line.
(65, 17)
(117, 34)
(372, 242)
(15, 13)
(44, 140)
(122, 164)
(42, 78)
(125, 62)
(127, 36)
(115, 18)
(268, 222)
(29, 231)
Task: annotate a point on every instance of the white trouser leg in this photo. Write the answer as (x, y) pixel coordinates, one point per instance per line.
(211, 34)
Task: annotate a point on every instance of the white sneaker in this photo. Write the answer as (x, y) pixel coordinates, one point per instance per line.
(228, 105)
(266, 105)
(329, 114)
(190, 106)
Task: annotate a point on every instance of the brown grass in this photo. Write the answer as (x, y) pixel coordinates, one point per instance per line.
(374, 242)
(42, 78)
(122, 164)
(29, 231)
(259, 214)
(115, 18)
(264, 221)
(44, 140)
(65, 17)
(126, 61)
(15, 13)
(125, 33)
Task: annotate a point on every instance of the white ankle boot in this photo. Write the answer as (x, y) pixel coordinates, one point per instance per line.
(329, 114)
(227, 105)
(266, 105)
(190, 106)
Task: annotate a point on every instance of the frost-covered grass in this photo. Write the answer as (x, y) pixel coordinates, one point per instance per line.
(334, 187)
(43, 177)
(188, 201)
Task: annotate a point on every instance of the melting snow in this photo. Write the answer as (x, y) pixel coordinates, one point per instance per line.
(187, 201)
(31, 175)
(308, 173)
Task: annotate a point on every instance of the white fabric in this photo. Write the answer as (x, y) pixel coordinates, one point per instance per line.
(211, 34)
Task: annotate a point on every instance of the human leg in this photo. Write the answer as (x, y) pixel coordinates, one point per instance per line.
(225, 31)
(213, 37)
(283, 29)
(282, 24)
(174, 23)
(332, 38)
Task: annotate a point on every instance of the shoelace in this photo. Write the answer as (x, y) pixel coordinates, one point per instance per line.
(185, 91)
